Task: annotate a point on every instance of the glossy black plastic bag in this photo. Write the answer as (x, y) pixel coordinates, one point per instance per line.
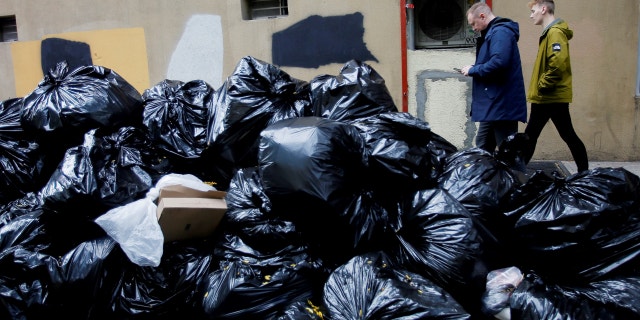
(402, 153)
(15, 208)
(256, 95)
(249, 215)
(40, 283)
(110, 169)
(583, 228)
(249, 284)
(79, 100)
(176, 115)
(484, 186)
(315, 157)
(312, 170)
(615, 298)
(21, 157)
(167, 291)
(357, 92)
(479, 181)
(438, 238)
(370, 287)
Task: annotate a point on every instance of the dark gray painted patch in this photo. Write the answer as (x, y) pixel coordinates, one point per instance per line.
(317, 41)
(54, 50)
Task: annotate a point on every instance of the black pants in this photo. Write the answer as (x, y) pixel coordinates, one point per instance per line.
(559, 114)
(492, 133)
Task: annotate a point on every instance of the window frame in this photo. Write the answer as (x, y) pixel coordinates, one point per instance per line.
(265, 9)
(8, 28)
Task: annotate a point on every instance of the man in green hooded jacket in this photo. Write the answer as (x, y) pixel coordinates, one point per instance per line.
(550, 89)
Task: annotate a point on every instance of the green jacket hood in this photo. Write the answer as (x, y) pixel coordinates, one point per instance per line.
(560, 25)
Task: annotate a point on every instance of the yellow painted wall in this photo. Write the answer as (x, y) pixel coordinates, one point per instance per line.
(121, 50)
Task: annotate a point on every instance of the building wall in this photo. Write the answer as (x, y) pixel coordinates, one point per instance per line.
(604, 58)
(203, 39)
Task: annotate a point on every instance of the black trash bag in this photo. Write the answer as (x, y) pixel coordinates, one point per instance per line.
(582, 229)
(311, 170)
(109, 170)
(369, 287)
(256, 95)
(249, 215)
(19, 296)
(512, 152)
(168, 291)
(27, 204)
(36, 285)
(535, 184)
(314, 157)
(22, 294)
(22, 161)
(75, 102)
(483, 185)
(175, 116)
(370, 225)
(357, 92)
(438, 238)
(616, 298)
(25, 230)
(249, 284)
(302, 310)
(402, 153)
(480, 182)
(66, 105)
(51, 235)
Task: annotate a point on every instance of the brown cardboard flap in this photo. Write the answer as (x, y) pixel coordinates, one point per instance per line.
(178, 191)
(185, 213)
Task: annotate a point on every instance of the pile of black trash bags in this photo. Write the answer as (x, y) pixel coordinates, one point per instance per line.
(339, 207)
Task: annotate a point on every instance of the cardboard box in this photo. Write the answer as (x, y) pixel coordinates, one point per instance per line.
(185, 213)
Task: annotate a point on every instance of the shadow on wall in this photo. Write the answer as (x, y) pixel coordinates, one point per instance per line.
(317, 41)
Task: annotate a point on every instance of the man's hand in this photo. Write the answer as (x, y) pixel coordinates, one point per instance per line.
(465, 70)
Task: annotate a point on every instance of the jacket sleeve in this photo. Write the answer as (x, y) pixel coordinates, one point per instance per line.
(557, 54)
(500, 46)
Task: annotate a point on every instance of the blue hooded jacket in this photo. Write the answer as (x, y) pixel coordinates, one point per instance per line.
(498, 85)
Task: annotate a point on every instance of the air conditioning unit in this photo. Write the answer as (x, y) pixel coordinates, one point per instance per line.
(442, 24)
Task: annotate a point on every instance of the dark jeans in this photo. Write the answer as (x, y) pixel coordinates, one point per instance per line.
(492, 133)
(559, 114)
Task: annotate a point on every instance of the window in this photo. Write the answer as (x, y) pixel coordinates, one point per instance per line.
(8, 29)
(264, 9)
(442, 24)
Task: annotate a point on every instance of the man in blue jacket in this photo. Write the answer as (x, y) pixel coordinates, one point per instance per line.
(498, 96)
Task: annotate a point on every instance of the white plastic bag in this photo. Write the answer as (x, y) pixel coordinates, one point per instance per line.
(135, 225)
(500, 284)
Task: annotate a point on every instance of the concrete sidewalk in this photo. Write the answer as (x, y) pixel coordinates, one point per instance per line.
(633, 167)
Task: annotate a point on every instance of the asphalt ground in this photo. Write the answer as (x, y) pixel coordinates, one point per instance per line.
(633, 167)
(566, 168)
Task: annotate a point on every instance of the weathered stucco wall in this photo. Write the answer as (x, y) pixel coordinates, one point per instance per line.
(604, 59)
(204, 40)
(604, 56)
(441, 95)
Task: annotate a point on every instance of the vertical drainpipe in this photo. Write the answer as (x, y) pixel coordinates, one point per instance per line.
(403, 46)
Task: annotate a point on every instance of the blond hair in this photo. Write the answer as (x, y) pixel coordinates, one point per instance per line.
(551, 6)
